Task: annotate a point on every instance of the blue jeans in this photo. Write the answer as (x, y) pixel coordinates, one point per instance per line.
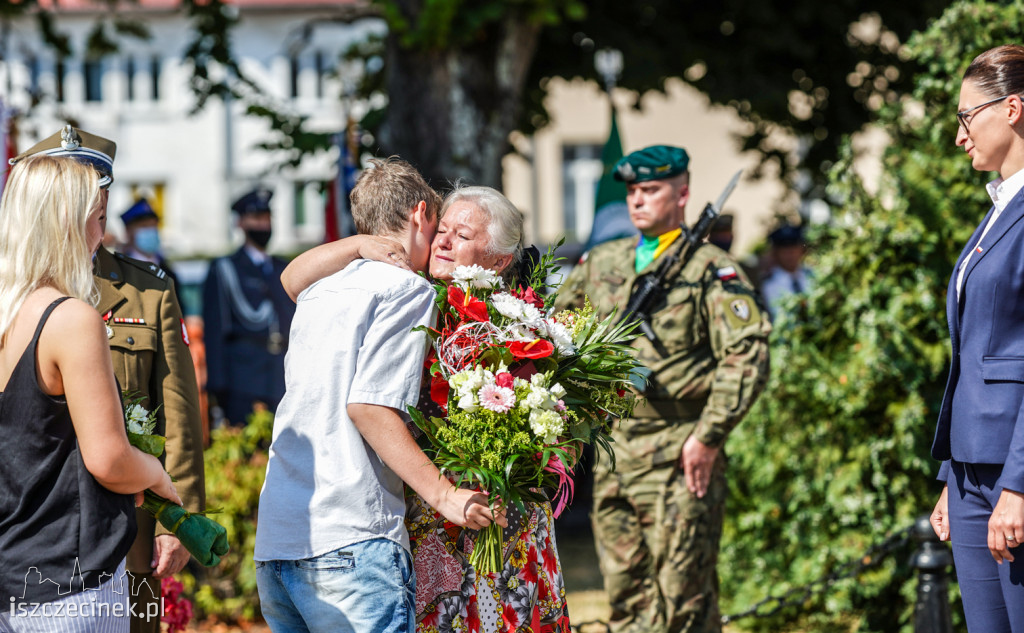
(366, 587)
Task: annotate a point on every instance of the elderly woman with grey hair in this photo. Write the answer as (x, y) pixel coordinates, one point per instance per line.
(478, 225)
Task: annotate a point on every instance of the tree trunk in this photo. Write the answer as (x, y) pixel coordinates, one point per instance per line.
(451, 111)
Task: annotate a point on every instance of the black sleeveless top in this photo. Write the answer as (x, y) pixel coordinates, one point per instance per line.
(57, 522)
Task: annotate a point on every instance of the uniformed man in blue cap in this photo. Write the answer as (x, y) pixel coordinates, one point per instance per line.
(788, 276)
(658, 515)
(142, 226)
(247, 315)
(149, 350)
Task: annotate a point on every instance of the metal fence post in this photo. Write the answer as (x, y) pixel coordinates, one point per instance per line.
(931, 609)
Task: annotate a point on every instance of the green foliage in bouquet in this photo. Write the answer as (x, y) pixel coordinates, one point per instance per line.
(835, 455)
(236, 464)
(140, 424)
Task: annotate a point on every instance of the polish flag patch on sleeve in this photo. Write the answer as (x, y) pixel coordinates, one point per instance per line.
(184, 333)
(727, 273)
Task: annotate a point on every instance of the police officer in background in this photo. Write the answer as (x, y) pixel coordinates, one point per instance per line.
(658, 516)
(151, 360)
(142, 226)
(247, 315)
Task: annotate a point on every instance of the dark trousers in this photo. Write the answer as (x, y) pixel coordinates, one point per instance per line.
(993, 594)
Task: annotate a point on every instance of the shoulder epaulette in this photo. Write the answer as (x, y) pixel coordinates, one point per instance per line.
(148, 267)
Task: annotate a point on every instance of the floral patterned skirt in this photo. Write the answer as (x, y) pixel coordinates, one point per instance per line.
(527, 595)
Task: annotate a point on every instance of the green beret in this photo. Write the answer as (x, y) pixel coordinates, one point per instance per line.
(656, 162)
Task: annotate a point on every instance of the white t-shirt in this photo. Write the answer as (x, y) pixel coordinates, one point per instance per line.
(351, 341)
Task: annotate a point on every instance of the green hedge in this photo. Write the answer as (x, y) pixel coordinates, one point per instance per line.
(236, 464)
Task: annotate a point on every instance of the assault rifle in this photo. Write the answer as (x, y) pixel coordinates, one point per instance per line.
(647, 288)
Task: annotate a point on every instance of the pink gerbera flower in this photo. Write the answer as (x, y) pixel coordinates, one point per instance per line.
(497, 399)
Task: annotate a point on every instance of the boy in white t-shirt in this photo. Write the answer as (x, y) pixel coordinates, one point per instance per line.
(332, 551)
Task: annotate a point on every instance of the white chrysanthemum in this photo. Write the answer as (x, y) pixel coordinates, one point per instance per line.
(547, 425)
(475, 276)
(506, 305)
(539, 380)
(515, 308)
(138, 419)
(519, 383)
(520, 332)
(559, 335)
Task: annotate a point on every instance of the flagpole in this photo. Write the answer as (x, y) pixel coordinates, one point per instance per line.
(611, 219)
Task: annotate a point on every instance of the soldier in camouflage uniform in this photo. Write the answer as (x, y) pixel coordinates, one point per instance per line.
(658, 516)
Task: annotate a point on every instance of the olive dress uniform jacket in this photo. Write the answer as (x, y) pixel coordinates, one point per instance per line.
(238, 360)
(151, 360)
(981, 420)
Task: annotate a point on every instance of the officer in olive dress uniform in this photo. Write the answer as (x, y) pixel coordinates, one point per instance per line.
(149, 349)
(658, 516)
(247, 315)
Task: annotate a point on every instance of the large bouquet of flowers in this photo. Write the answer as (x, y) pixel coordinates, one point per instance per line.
(524, 387)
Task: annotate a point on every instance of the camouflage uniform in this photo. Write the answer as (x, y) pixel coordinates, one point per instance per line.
(657, 542)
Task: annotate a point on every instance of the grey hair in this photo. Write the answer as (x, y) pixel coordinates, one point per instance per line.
(505, 225)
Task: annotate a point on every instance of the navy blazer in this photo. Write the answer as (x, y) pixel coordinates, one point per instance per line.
(980, 421)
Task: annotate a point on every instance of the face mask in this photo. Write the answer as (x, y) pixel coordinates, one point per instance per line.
(147, 240)
(259, 237)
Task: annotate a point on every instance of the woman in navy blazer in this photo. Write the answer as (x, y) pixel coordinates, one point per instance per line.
(980, 432)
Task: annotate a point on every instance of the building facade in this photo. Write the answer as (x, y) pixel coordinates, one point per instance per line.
(192, 165)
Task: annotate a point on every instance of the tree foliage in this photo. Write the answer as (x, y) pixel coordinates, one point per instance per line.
(817, 70)
(835, 454)
(465, 74)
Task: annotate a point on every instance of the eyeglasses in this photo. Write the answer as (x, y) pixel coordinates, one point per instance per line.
(965, 117)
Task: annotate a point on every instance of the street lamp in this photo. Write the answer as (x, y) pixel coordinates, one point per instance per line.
(608, 62)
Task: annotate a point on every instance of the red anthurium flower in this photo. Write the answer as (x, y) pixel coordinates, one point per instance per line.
(439, 391)
(505, 379)
(529, 296)
(537, 348)
(467, 305)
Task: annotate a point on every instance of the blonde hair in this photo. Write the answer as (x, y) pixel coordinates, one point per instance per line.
(505, 221)
(384, 195)
(43, 215)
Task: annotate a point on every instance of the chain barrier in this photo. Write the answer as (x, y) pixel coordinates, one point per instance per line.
(796, 596)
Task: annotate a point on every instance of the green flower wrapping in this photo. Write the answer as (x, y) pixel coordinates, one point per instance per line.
(203, 537)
